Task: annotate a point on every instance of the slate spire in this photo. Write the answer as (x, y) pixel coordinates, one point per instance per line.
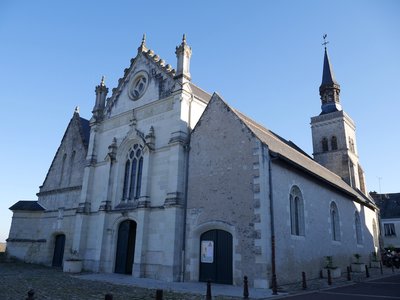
(329, 89)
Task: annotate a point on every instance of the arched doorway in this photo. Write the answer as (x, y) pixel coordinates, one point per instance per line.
(58, 250)
(125, 247)
(216, 256)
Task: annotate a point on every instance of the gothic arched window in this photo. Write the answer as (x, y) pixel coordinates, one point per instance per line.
(357, 223)
(62, 168)
(71, 166)
(296, 211)
(324, 144)
(133, 173)
(335, 224)
(334, 143)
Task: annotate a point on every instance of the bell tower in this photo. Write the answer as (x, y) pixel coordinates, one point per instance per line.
(334, 132)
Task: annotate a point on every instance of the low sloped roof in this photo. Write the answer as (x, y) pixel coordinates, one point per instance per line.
(389, 204)
(27, 205)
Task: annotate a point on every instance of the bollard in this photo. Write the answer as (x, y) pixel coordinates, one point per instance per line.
(108, 297)
(31, 295)
(329, 277)
(245, 288)
(348, 273)
(321, 274)
(159, 294)
(208, 294)
(274, 285)
(392, 268)
(366, 271)
(303, 278)
(380, 265)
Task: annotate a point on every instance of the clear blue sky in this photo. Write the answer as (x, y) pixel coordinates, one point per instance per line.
(264, 57)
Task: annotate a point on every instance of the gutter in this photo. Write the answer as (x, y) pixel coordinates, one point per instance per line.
(354, 197)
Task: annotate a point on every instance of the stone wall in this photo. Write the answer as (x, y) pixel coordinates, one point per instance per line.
(223, 181)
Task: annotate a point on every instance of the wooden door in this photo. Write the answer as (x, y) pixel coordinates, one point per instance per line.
(216, 256)
(125, 247)
(58, 250)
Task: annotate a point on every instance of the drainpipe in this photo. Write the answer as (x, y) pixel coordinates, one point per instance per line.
(271, 209)
(187, 148)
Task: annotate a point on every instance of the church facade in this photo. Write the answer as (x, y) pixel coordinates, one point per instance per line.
(166, 181)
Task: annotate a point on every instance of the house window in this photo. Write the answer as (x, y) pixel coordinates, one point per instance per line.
(133, 173)
(324, 144)
(389, 229)
(335, 224)
(357, 223)
(334, 143)
(296, 211)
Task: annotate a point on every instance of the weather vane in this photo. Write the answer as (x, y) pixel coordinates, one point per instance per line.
(325, 41)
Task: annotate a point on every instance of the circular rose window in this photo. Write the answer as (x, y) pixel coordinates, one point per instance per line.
(138, 85)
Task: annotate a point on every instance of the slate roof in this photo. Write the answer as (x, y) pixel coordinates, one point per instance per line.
(27, 205)
(389, 204)
(199, 93)
(328, 78)
(85, 130)
(291, 153)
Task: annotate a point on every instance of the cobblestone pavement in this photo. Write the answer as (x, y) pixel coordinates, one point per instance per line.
(16, 279)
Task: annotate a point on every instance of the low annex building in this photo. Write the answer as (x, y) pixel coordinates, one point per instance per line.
(167, 181)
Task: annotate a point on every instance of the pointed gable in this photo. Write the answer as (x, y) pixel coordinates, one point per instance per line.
(148, 78)
(280, 147)
(68, 163)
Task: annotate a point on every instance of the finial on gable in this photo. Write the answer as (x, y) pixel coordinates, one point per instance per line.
(76, 110)
(184, 39)
(102, 82)
(144, 40)
(142, 47)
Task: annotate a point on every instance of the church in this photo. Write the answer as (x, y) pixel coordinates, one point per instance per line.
(167, 181)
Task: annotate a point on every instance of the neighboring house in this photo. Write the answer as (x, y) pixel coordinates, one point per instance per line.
(389, 206)
(169, 182)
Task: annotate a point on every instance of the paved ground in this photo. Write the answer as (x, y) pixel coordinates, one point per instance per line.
(16, 279)
(378, 289)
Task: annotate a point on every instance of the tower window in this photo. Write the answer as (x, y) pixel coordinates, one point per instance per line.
(324, 144)
(334, 143)
(133, 173)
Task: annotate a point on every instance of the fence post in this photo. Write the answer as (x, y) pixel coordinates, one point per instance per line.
(245, 288)
(329, 277)
(159, 294)
(208, 295)
(366, 271)
(348, 273)
(108, 297)
(303, 279)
